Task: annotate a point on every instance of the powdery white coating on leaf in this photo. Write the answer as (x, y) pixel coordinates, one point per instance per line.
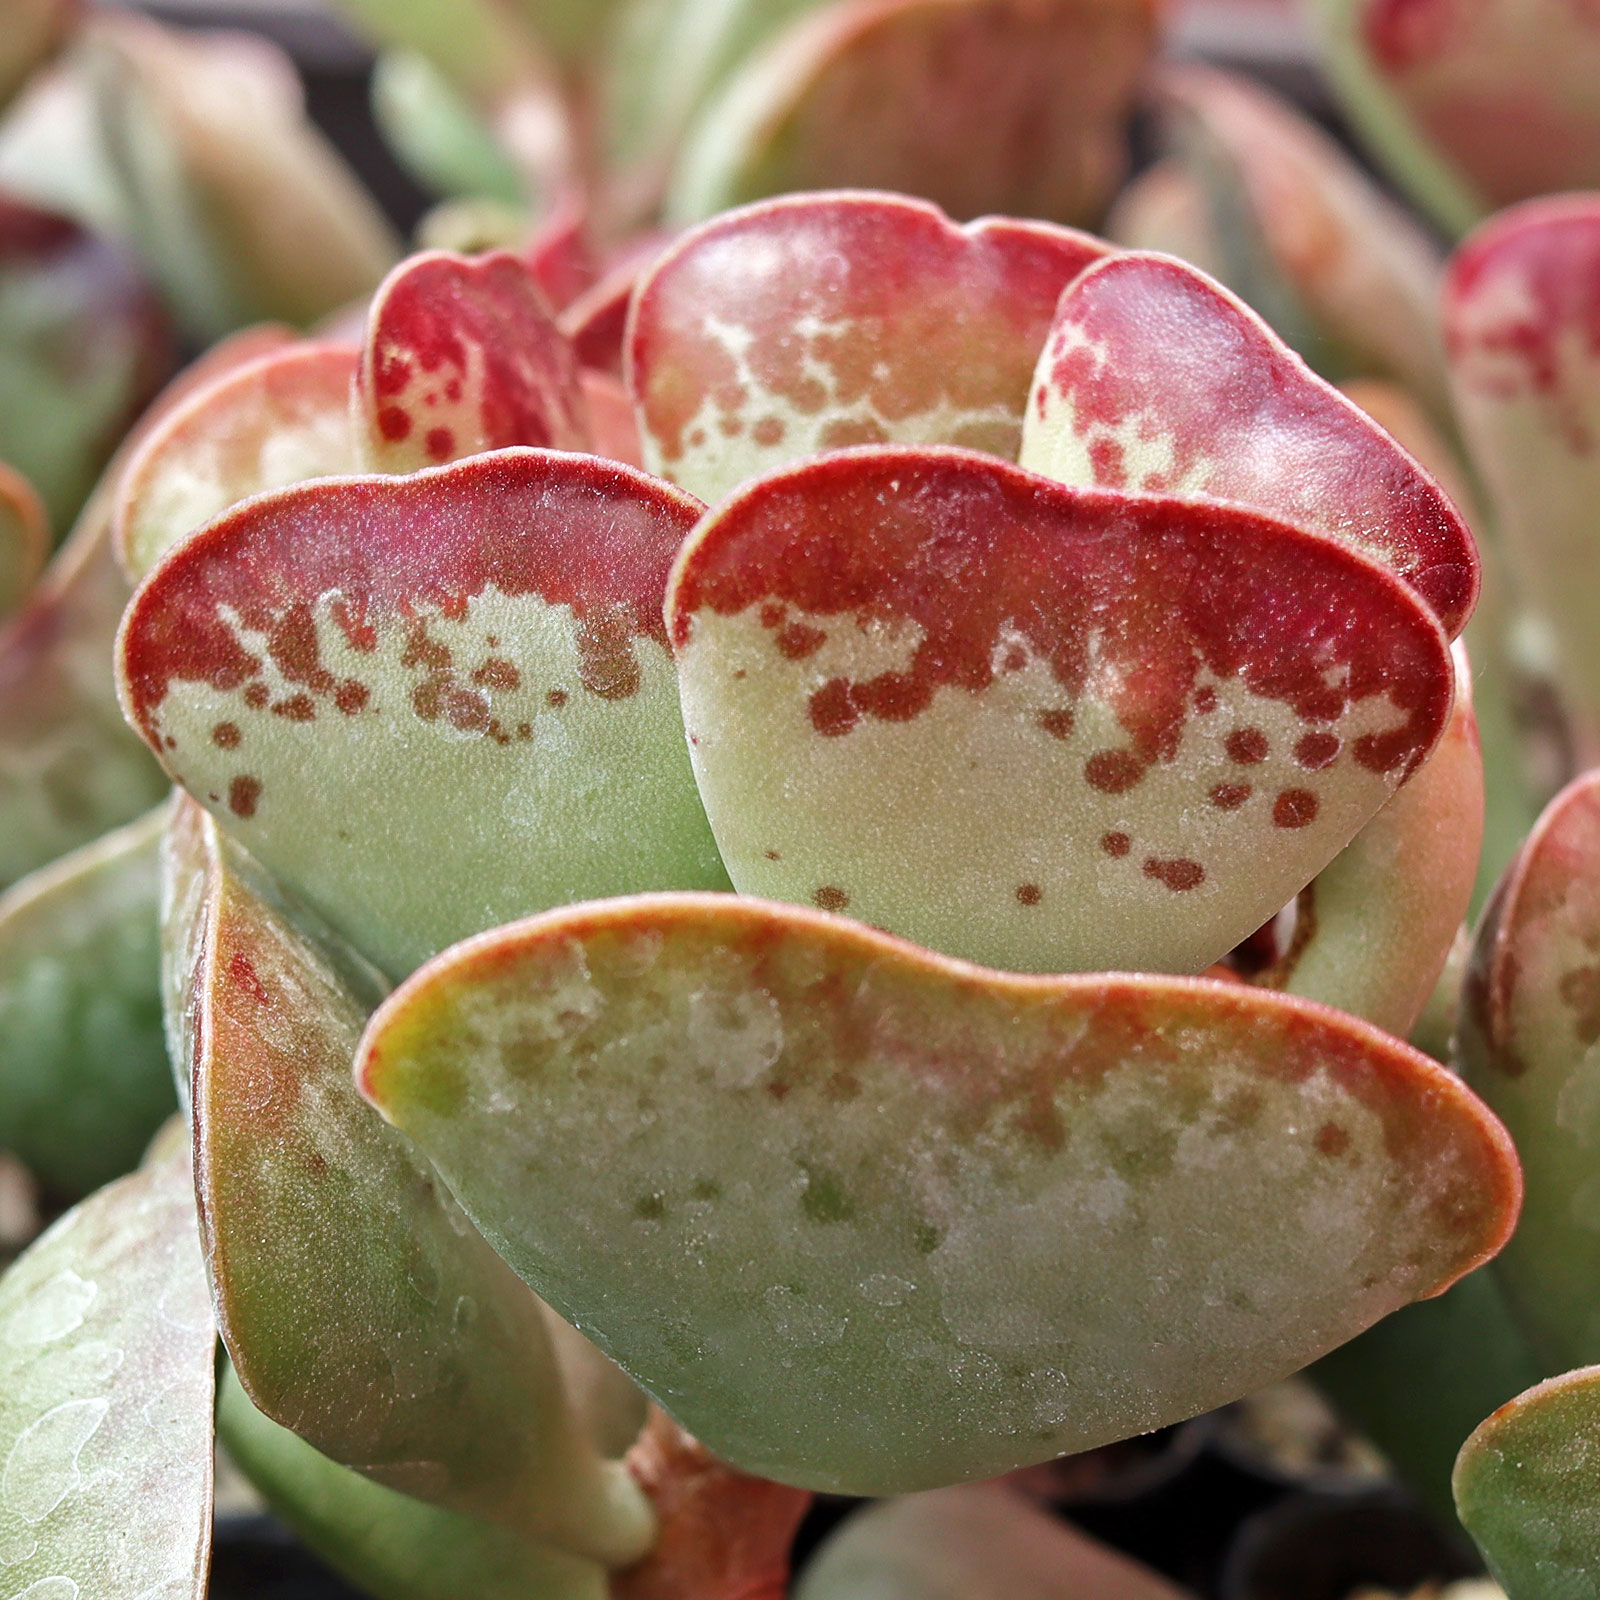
(1529, 1039)
(432, 704)
(358, 1306)
(275, 421)
(1524, 1488)
(1041, 728)
(819, 321)
(1107, 1203)
(1156, 379)
(1522, 319)
(106, 1346)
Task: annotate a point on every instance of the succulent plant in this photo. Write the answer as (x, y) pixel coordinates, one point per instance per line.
(804, 849)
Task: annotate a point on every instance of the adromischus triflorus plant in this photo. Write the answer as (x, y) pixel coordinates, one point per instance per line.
(860, 1215)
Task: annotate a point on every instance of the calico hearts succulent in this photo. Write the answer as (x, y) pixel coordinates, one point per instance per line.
(1016, 626)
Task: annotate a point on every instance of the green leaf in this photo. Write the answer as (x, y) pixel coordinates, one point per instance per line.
(1524, 1486)
(106, 1368)
(1526, 1040)
(754, 1152)
(357, 1304)
(379, 682)
(280, 419)
(84, 1080)
(821, 321)
(1010, 106)
(1042, 728)
(391, 1546)
(977, 1542)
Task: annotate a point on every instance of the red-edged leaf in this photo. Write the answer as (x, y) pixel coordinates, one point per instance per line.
(431, 703)
(275, 421)
(462, 356)
(1043, 728)
(1157, 379)
(819, 321)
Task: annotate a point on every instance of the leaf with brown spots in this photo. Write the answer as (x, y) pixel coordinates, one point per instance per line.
(274, 421)
(1529, 1023)
(916, 765)
(1157, 380)
(432, 703)
(753, 1149)
(461, 356)
(1524, 1489)
(1016, 106)
(1522, 320)
(357, 1305)
(107, 1350)
(824, 320)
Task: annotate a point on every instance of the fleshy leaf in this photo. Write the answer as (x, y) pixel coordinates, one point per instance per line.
(750, 1148)
(1528, 1029)
(105, 1399)
(976, 1542)
(1375, 928)
(83, 345)
(462, 356)
(1039, 727)
(1297, 230)
(392, 1546)
(84, 1080)
(69, 765)
(24, 537)
(612, 424)
(1016, 106)
(1522, 317)
(1524, 1485)
(34, 28)
(275, 421)
(1470, 106)
(365, 675)
(1156, 379)
(820, 321)
(357, 1305)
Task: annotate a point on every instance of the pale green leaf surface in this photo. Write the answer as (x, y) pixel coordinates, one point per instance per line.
(1529, 1042)
(432, 704)
(84, 1080)
(753, 1152)
(1524, 1487)
(976, 1542)
(391, 1546)
(358, 1305)
(106, 1362)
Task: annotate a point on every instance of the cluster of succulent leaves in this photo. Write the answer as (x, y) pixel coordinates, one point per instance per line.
(806, 837)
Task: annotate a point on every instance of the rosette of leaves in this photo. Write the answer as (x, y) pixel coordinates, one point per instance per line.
(814, 864)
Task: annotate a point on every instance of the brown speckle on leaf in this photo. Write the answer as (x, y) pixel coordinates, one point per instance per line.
(1294, 808)
(828, 898)
(1028, 894)
(244, 793)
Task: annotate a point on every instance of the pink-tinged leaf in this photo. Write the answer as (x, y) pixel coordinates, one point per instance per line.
(105, 1399)
(1522, 317)
(613, 427)
(1529, 1025)
(725, 1535)
(756, 1150)
(1300, 232)
(558, 255)
(1375, 928)
(1157, 380)
(357, 1305)
(24, 538)
(977, 1542)
(462, 356)
(377, 683)
(275, 421)
(596, 321)
(1524, 1489)
(1043, 728)
(1015, 106)
(821, 321)
(69, 766)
